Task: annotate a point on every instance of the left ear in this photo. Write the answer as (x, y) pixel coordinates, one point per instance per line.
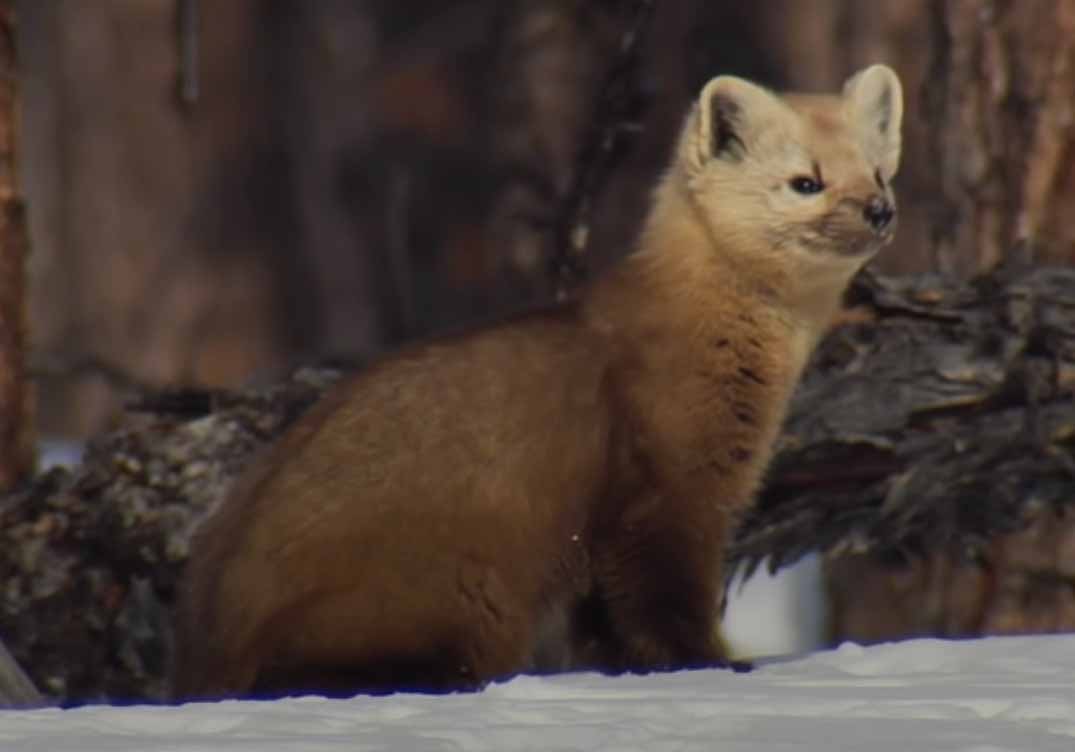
(874, 102)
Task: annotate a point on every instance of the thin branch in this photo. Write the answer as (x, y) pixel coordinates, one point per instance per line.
(188, 31)
(615, 116)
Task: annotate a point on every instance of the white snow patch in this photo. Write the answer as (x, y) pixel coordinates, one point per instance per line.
(781, 614)
(58, 452)
(1013, 693)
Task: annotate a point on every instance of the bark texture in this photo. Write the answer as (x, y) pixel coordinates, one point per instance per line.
(1001, 97)
(16, 399)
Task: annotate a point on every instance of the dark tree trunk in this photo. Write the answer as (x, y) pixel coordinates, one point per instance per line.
(16, 428)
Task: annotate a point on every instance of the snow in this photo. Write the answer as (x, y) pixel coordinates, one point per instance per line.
(1013, 693)
(777, 614)
(58, 453)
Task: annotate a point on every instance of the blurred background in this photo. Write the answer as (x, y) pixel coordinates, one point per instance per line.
(221, 190)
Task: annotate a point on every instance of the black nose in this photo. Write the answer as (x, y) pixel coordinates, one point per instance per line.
(878, 212)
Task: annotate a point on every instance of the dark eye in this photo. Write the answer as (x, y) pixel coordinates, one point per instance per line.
(806, 185)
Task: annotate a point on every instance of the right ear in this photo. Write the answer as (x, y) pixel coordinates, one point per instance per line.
(731, 113)
(875, 102)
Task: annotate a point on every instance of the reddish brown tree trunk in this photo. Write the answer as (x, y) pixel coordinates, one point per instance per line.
(1001, 99)
(16, 432)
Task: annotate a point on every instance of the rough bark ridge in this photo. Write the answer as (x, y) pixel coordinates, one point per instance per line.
(936, 423)
(1000, 96)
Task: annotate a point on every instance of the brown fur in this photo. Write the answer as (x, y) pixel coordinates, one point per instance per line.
(556, 491)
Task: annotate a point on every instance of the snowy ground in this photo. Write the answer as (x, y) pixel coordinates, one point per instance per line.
(975, 696)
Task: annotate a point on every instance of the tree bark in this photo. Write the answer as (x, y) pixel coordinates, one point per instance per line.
(16, 428)
(1000, 95)
(162, 227)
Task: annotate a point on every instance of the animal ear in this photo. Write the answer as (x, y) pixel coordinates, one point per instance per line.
(874, 100)
(731, 114)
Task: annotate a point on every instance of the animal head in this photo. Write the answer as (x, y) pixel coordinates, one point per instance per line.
(802, 182)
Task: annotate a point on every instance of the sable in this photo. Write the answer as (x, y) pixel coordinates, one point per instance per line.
(558, 491)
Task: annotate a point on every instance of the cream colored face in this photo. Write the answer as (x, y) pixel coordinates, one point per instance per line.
(798, 175)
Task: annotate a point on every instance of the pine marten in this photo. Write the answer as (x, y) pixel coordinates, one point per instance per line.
(557, 491)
